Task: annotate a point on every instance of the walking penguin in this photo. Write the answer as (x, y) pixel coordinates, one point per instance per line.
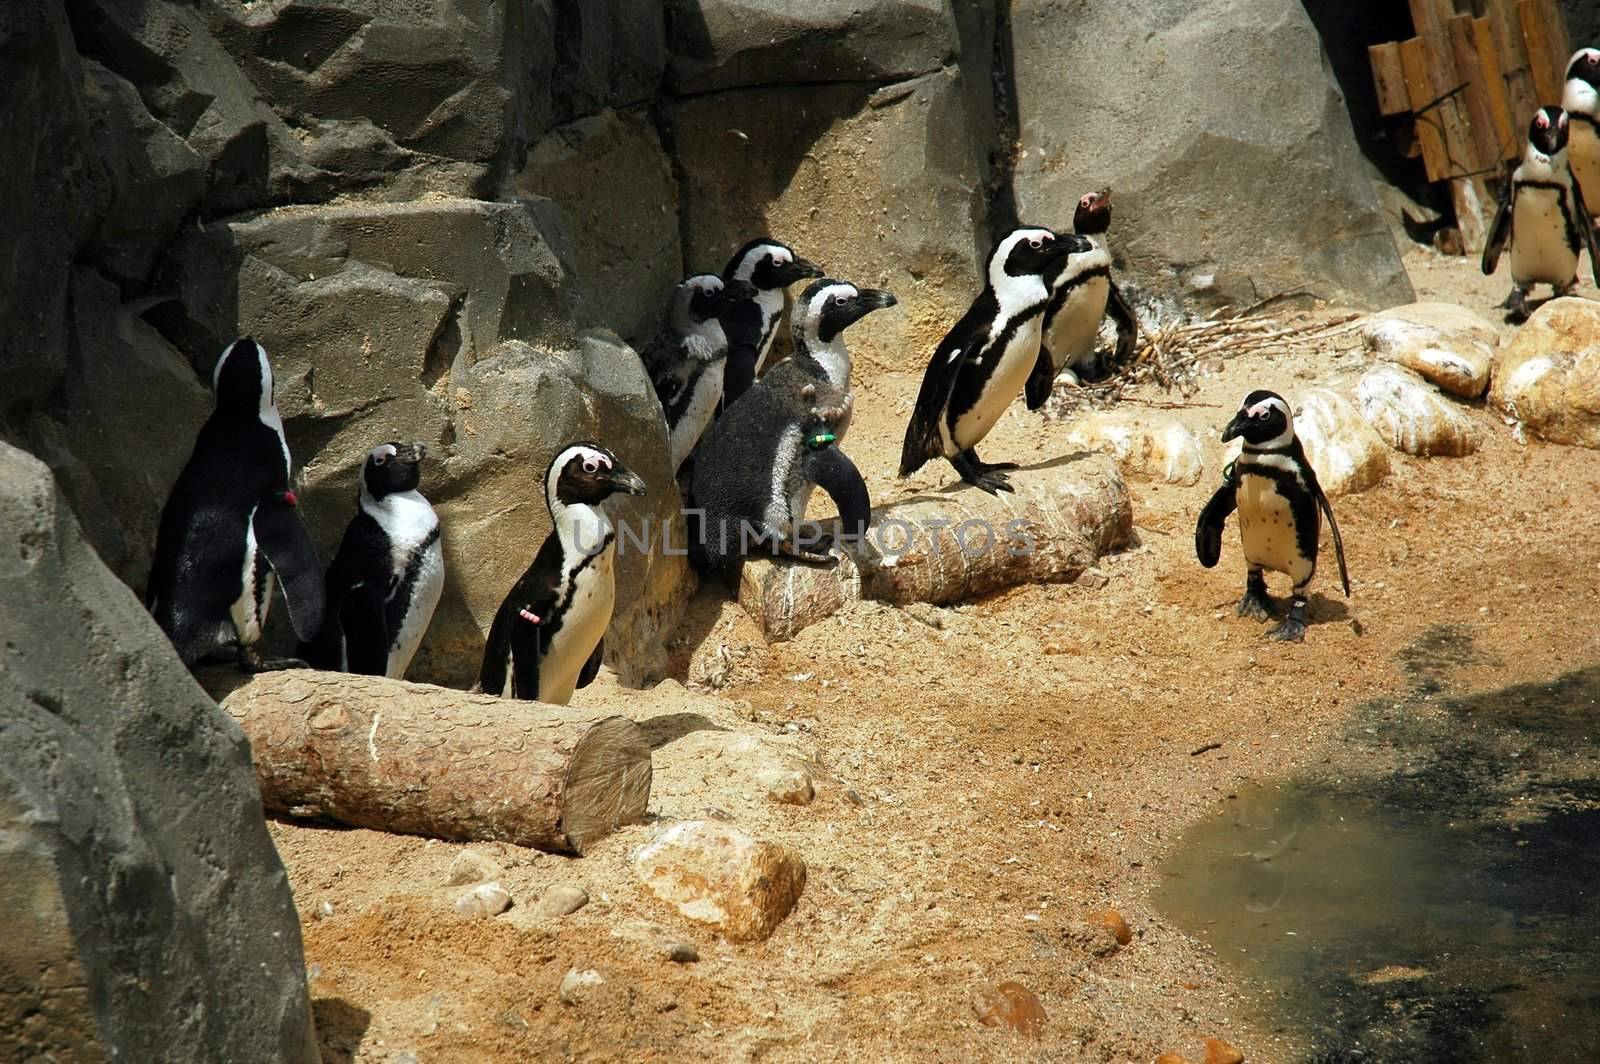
(548, 635)
(387, 575)
(230, 524)
(1280, 508)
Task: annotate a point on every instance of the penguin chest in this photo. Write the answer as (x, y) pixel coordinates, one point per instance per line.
(704, 392)
(1267, 528)
(996, 379)
(420, 583)
(249, 611)
(1539, 248)
(1076, 326)
(583, 625)
(1583, 151)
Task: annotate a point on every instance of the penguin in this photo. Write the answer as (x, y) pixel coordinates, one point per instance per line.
(686, 360)
(982, 363)
(230, 525)
(1580, 98)
(1543, 215)
(1280, 508)
(771, 267)
(549, 634)
(758, 464)
(1079, 298)
(386, 577)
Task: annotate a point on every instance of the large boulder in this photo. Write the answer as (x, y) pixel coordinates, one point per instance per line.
(608, 53)
(722, 44)
(1548, 378)
(1347, 454)
(1223, 136)
(1411, 415)
(1153, 447)
(716, 874)
(1449, 345)
(878, 185)
(146, 914)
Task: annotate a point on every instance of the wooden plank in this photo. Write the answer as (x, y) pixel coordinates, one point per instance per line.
(1390, 78)
(1430, 133)
(1474, 98)
(1507, 131)
(1555, 24)
(1404, 139)
(1427, 16)
(1444, 83)
(1520, 93)
(1547, 68)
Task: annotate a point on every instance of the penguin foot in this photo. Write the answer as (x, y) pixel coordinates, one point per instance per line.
(1257, 606)
(985, 475)
(1567, 289)
(1290, 631)
(251, 661)
(1516, 306)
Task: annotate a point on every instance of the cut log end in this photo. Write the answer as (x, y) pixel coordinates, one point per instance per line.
(608, 782)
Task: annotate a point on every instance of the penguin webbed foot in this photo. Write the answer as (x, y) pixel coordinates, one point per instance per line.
(1516, 305)
(988, 476)
(1293, 628)
(1257, 604)
(250, 661)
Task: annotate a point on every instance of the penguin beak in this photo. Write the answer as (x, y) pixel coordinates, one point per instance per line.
(410, 453)
(1236, 426)
(799, 269)
(876, 299)
(626, 481)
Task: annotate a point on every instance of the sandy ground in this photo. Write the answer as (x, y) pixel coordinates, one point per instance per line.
(988, 775)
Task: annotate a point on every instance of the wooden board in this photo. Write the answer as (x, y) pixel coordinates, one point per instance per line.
(1389, 75)
(1430, 131)
(1486, 142)
(1507, 129)
(1546, 67)
(1520, 92)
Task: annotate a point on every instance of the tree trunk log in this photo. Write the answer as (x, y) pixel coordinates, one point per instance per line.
(424, 760)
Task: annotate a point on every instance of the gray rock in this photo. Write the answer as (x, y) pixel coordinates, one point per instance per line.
(485, 899)
(609, 53)
(146, 912)
(560, 901)
(575, 985)
(624, 234)
(877, 186)
(470, 866)
(1227, 146)
(721, 44)
(680, 953)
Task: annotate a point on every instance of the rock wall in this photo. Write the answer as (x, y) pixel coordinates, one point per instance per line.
(425, 210)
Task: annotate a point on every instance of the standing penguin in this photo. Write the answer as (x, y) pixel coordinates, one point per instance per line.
(756, 468)
(230, 524)
(1280, 508)
(1580, 98)
(687, 359)
(981, 364)
(385, 580)
(1543, 215)
(1081, 294)
(771, 267)
(549, 634)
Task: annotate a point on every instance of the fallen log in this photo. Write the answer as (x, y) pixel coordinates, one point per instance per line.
(423, 760)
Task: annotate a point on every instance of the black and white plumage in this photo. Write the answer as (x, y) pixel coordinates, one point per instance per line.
(687, 359)
(230, 525)
(1543, 216)
(760, 461)
(1082, 293)
(387, 574)
(1580, 98)
(1280, 508)
(982, 363)
(549, 634)
(771, 267)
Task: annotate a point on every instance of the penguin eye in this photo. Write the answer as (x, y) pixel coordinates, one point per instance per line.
(379, 459)
(590, 465)
(1036, 243)
(839, 301)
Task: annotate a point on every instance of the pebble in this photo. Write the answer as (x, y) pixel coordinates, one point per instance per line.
(1012, 1006)
(486, 899)
(1172, 1058)
(470, 866)
(1220, 1052)
(788, 784)
(575, 984)
(680, 953)
(1093, 579)
(405, 1056)
(560, 901)
(323, 910)
(1113, 919)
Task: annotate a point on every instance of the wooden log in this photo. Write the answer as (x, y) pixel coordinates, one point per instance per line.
(1389, 75)
(423, 760)
(1507, 130)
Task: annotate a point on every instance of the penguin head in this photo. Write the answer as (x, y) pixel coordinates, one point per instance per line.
(695, 301)
(393, 467)
(242, 379)
(1585, 67)
(1093, 214)
(768, 265)
(1264, 420)
(828, 306)
(1547, 133)
(1024, 257)
(587, 474)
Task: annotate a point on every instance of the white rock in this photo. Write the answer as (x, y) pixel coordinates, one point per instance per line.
(1411, 415)
(1448, 345)
(1344, 450)
(788, 784)
(1152, 447)
(485, 899)
(470, 866)
(1548, 377)
(560, 901)
(575, 984)
(719, 875)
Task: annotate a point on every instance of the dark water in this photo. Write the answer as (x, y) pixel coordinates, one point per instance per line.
(1445, 909)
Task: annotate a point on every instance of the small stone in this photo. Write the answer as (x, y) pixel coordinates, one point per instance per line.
(575, 985)
(680, 953)
(323, 910)
(470, 866)
(716, 874)
(560, 901)
(485, 899)
(1093, 579)
(1113, 919)
(1012, 1006)
(404, 1056)
(1220, 1052)
(788, 784)
(1172, 1058)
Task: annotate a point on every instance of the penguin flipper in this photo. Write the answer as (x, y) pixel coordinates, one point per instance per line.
(831, 470)
(1127, 325)
(357, 568)
(1040, 379)
(591, 668)
(1338, 540)
(283, 539)
(492, 672)
(923, 440)
(366, 631)
(1208, 530)
(1500, 228)
(740, 372)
